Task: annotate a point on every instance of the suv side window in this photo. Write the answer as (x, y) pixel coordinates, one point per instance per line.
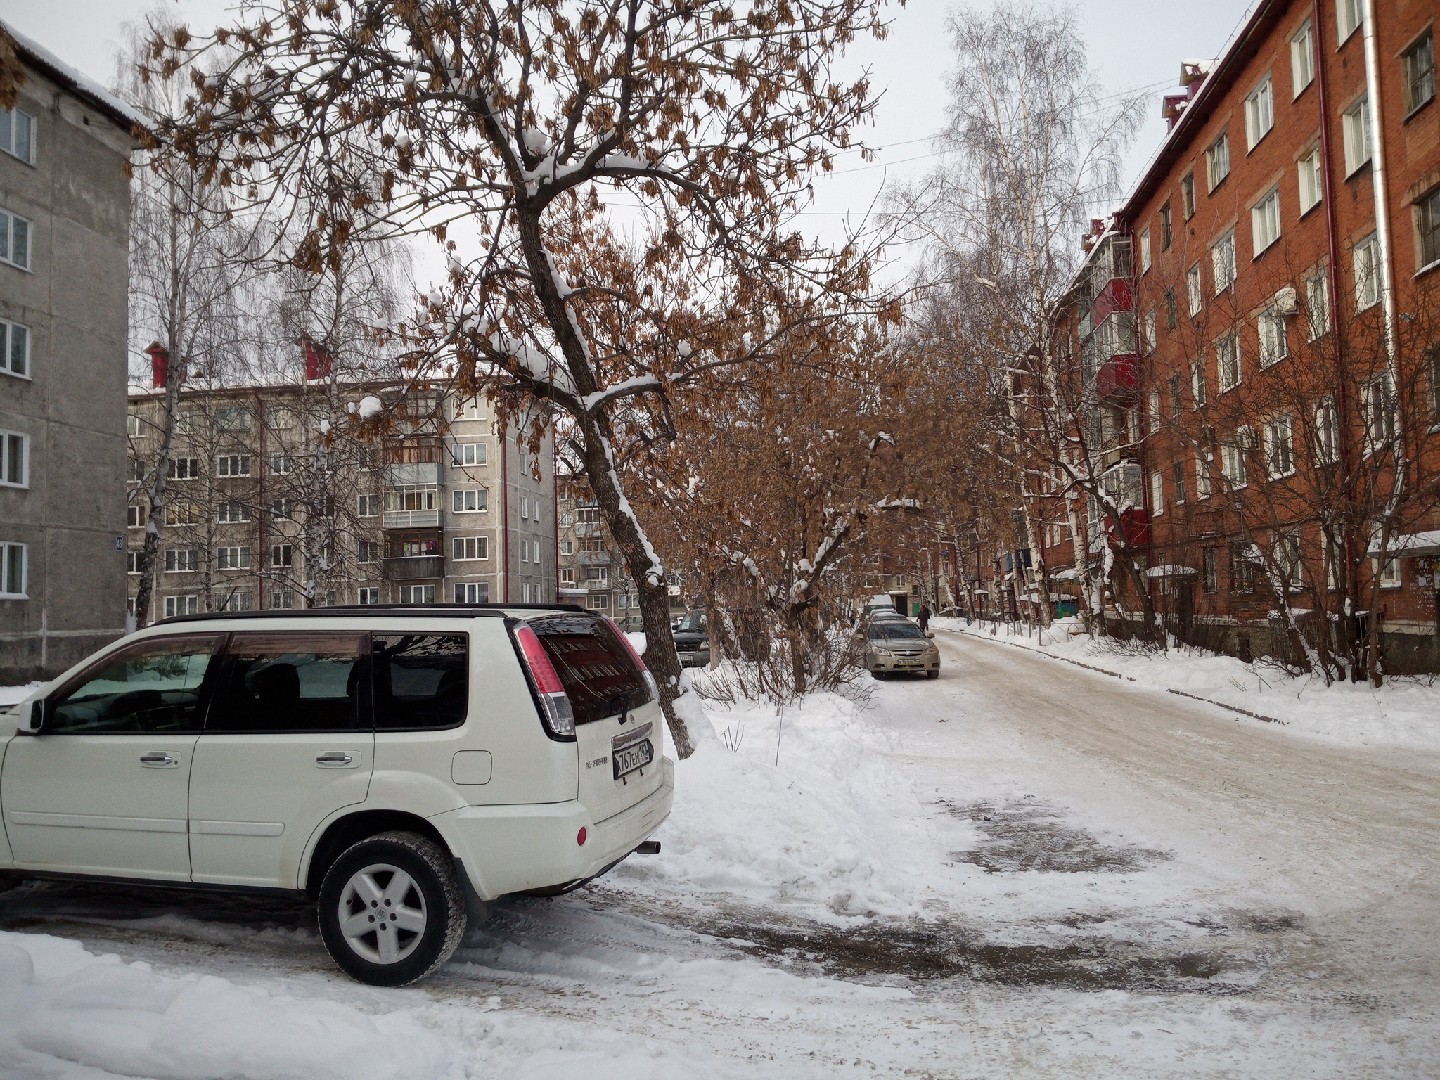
(422, 681)
(151, 686)
(300, 681)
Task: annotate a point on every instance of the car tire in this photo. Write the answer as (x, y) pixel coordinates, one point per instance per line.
(933, 674)
(408, 878)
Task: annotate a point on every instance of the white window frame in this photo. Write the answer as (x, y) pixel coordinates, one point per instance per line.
(1285, 551)
(1198, 388)
(368, 596)
(525, 552)
(1280, 447)
(1419, 83)
(11, 126)
(469, 548)
(1427, 227)
(1265, 220)
(1232, 459)
(567, 575)
(14, 459)
(132, 561)
(1311, 184)
(1157, 493)
(1355, 121)
(567, 547)
(1222, 261)
(1388, 572)
(525, 507)
(472, 592)
(1302, 59)
(466, 409)
(14, 570)
(1202, 475)
(181, 604)
(231, 513)
(1194, 289)
(233, 466)
(598, 601)
(14, 359)
(1187, 195)
(469, 454)
(183, 468)
(181, 560)
(239, 600)
(1260, 112)
(282, 599)
(371, 548)
(1317, 304)
(415, 595)
(1349, 17)
(281, 464)
(1326, 432)
(1145, 249)
(367, 506)
(1274, 337)
(234, 418)
(1366, 258)
(1217, 161)
(282, 556)
(462, 496)
(232, 557)
(1377, 406)
(13, 226)
(1228, 374)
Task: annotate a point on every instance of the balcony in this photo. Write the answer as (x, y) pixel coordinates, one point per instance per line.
(415, 568)
(1117, 295)
(1134, 524)
(594, 558)
(415, 474)
(588, 529)
(1118, 380)
(412, 519)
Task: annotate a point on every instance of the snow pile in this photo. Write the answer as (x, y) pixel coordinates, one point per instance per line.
(59, 1003)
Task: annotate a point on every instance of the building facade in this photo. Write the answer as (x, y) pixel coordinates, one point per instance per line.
(299, 496)
(1258, 329)
(592, 571)
(64, 278)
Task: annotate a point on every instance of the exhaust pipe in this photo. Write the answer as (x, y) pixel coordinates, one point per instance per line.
(649, 847)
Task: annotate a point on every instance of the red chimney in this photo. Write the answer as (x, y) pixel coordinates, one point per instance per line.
(318, 361)
(159, 364)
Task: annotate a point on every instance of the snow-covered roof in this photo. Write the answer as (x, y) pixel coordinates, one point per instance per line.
(74, 80)
(1410, 544)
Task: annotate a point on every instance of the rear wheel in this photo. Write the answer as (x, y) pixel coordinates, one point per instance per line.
(391, 909)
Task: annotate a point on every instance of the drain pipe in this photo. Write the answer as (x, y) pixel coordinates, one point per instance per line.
(1377, 177)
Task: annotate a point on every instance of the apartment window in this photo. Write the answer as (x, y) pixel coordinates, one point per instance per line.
(1302, 59)
(1259, 112)
(1274, 346)
(282, 555)
(1317, 304)
(1222, 261)
(1377, 401)
(134, 426)
(525, 507)
(232, 558)
(1154, 410)
(132, 562)
(1174, 395)
(233, 418)
(282, 599)
(1427, 221)
(183, 468)
(1148, 329)
(1367, 273)
(181, 560)
(1355, 122)
(525, 551)
(1389, 572)
(280, 464)
(471, 500)
(1167, 230)
(1178, 476)
(598, 602)
(12, 569)
(588, 515)
(181, 605)
(1209, 570)
(469, 548)
(1265, 221)
(411, 499)
(14, 459)
(1312, 188)
(1172, 309)
(1145, 249)
(470, 453)
(417, 594)
(367, 551)
(14, 349)
(567, 575)
(1279, 446)
(367, 506)
(239, 600)
(282, 509)
(1286, 553)
(135, 516)
(1419, 64)
(1193, 290)
(472, 592)
(1187, 195)
(1232, 458)
(466, 409)
(17, 134)
(1217, 160)
(567, 547)
(368, 597)
(1202, 476)
(1242, 568)
(232, 465)
(1227, 361)
(181, 512)
(230, 512)
(1197, 383)
(1327, 433)
(1349, 14)
(14, 239)
(597, 575)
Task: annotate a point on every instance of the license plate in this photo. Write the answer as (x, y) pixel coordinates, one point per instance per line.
(632, 757)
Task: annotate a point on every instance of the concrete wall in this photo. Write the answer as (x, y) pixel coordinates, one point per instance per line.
(74, 300)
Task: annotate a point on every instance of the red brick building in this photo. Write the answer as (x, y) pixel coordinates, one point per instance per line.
(1257, 331)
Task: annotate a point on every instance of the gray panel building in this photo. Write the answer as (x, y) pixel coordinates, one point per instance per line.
(64, 279)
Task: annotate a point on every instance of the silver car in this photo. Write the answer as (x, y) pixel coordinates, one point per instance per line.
(898, 645)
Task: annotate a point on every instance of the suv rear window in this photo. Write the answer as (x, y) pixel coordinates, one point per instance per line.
(595, 667)
(421, 681)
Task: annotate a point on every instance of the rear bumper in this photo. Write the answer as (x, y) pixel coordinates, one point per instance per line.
(509, 849)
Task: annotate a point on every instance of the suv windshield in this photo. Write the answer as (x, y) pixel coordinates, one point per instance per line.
(594, 665)
(692, 623)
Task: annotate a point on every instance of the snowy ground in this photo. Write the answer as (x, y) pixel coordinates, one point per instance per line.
(1023, 869)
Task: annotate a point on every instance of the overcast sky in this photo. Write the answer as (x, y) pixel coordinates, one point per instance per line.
(1136, 45)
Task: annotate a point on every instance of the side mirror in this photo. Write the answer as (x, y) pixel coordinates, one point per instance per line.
(42, 712)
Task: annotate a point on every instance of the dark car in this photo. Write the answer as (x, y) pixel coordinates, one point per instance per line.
(692, 640)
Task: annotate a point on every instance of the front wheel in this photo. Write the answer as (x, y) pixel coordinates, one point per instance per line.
(391, 909)
(933, 674)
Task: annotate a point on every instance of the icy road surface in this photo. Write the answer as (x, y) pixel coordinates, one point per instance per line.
(1022, 870)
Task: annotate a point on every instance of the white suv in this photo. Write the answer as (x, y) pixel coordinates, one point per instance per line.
(393, 763)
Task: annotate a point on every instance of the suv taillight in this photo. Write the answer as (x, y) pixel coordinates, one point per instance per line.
(639, 663)
(555, 710)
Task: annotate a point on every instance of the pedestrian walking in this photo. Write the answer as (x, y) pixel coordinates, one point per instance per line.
(924, 616)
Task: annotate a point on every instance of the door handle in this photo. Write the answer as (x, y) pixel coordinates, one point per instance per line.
(335, 759)
(158, 759)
